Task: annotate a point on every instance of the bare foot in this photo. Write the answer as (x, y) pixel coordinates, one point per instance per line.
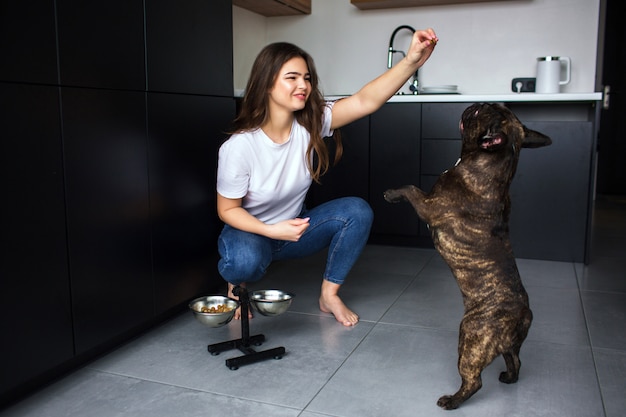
(237, 315)
(331, 303)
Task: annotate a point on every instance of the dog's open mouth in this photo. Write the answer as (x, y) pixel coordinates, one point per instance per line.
(489, 141)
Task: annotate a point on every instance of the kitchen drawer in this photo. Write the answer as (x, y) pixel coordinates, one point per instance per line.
(441, 120)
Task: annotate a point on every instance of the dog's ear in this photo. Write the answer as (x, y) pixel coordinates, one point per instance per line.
(534, 139)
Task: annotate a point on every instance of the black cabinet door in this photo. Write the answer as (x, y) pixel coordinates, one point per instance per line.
(35, 315)
(441, 120)
(108, 212)
(101, 44)
(438, 155)
(75, 265)
(441, 143)
(190, 46)
(28, 42)
(440, 139)
(184, 132)
(350, 177)
(394, 162)
(550, 194)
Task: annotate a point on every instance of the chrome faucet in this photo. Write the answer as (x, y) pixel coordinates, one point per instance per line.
(414, 87)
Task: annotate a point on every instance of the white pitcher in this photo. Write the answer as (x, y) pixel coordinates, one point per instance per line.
(549, 73)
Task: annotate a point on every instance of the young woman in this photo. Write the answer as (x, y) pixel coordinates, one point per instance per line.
(267, 165)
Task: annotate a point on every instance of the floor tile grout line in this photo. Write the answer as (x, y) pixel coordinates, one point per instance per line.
(588, 332)
(341, 364)
(375, 324)
(165, 384)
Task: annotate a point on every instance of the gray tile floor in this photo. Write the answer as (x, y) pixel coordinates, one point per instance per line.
(396, 362)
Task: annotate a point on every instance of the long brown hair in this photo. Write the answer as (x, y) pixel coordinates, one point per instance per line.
(254, 107)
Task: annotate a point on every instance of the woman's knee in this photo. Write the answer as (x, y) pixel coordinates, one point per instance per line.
(359, 210)
(242, 260)
(245, 263)
(242, 269)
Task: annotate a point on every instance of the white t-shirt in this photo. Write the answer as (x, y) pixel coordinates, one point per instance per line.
(272, 179)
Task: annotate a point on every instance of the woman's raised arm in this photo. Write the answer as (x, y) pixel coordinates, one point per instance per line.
(376, 93)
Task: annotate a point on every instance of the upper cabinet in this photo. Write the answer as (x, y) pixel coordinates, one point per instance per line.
(270, 8)
(390, 4)
(189, 47)
(28, 42)
(101, 44)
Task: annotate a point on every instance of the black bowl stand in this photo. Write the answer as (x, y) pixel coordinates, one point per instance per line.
(243, 344)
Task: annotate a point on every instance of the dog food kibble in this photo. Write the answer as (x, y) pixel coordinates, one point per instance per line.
(221, 308)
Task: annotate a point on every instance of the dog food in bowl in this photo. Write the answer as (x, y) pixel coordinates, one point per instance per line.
(214, 310)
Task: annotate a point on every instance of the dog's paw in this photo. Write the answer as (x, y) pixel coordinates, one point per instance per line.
(507, 378)
(393, 196)
(448, 402)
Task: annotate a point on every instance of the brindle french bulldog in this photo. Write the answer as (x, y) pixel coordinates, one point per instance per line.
(467, 212)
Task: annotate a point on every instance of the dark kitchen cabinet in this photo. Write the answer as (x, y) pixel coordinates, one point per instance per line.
(413, 143)
(189, 46)
(108, 212)
(394, 162)
(381, 151)
(552, 187)
(350, 176)
(27, 42)
(441, 144)
(110, 224)
(35, 309)
(441, 120)
(551, 193)
(184, 134)
(101, 44)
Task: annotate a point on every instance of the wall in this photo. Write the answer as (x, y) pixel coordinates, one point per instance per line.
(482, 45)
(249, 37)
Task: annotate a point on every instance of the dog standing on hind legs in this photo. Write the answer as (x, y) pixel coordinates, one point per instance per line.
(467, 212)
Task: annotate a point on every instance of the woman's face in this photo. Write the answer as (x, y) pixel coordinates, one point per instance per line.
(292, 86)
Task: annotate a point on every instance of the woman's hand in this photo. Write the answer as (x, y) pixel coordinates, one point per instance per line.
(422, 46)
(232, 213)
(291, 230)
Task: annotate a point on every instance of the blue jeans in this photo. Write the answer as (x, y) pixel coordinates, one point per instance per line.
(343, 225)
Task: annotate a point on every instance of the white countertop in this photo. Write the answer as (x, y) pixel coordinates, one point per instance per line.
(474, 98)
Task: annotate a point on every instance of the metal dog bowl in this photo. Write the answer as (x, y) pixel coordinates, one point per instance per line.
(214, 302)
(271, 302)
